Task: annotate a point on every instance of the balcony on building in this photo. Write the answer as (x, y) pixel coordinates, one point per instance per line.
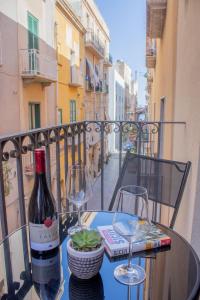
(149, 77)
(76, 76)
(99, 86)
(36, 67)
(105, 87)
(93, 43)
(156, 14)
(150, 53)
(89, 86)
(108, 60)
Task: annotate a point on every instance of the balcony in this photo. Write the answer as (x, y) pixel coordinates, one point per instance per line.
(156, 14)
(108, 61)
(36, 67)
(84, 141)
(150, 53)
(105, 87)
(89, 86)
(76, 79)
(151, 58)
(93, 43)
(149, 77)
(99, 87)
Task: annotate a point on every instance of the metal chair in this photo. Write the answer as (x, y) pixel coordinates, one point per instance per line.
(164, 179)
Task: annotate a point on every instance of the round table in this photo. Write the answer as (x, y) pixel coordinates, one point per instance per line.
(171, 273)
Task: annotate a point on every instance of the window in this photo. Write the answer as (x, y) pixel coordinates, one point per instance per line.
(72, 58)
(72, 111)
(69, 36)
(59, 116)
(34, 115)
(33, 25)
(88, 21)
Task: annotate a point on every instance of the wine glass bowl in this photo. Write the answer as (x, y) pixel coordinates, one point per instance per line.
(78, 191)
(131, 221)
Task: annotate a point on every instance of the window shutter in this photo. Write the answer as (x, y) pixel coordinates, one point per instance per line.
(37, 116)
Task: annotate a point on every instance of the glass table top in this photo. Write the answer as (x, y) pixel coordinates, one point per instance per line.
(171, 273)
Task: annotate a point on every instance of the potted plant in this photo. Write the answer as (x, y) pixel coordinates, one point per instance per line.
(85, 251)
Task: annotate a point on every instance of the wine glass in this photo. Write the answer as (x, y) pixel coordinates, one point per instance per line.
(78, 191)
(131, 221)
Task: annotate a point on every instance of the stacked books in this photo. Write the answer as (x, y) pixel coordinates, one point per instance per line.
(116, 245)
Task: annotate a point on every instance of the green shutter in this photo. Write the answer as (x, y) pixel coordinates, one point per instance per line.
(37, 116)
(34, 115)
(32, 32)
(72, 110)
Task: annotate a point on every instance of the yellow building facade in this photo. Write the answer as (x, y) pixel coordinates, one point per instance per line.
(69, 38)
(70, 57)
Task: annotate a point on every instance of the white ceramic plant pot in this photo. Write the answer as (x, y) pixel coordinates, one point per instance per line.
(84, 265)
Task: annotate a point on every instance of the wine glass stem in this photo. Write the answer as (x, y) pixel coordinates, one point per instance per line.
(130, 256)
(79, 217)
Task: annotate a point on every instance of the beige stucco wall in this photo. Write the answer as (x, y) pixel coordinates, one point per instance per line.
(177, 77)
(164, 74)
(9, 80)
(16, 94)
(187, 108)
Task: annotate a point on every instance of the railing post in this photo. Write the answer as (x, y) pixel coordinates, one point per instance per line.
(8, 268)
(139, 139)
(3, 218)
(120, 145)
(73, 144)
(84, 145)
(102, 165)
(20, 183)
(79, 144)
(66, 162)
(58, 189)
(160, 141)
(48, 165)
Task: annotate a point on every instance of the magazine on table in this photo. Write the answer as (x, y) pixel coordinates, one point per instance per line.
(116, 245)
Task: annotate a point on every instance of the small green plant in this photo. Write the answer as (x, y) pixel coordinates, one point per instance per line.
(86, 240)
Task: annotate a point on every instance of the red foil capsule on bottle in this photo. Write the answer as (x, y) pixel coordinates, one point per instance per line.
(40, 160)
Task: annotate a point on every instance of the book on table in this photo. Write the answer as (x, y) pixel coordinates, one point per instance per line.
(116, 245)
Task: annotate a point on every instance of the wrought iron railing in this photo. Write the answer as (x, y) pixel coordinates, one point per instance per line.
(92, 39)
(65, 145)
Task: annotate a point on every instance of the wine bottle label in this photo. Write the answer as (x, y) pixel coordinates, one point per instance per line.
(44, 237)
(44, 270)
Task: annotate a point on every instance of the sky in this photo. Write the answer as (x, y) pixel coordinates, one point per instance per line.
(126, 20)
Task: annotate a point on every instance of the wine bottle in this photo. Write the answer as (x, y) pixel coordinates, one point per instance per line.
(46, 276)
(43, 219)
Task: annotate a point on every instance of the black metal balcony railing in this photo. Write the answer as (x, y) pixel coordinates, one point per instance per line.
(93, 41)
(37, 66)
(65, 145)
(89, 86)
